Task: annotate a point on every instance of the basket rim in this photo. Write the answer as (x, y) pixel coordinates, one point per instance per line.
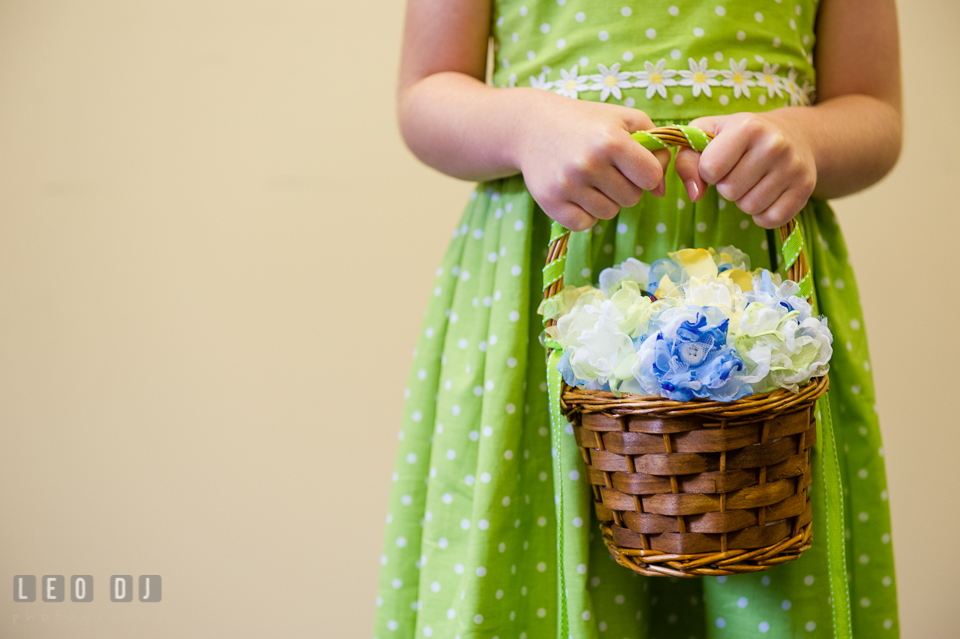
(573, 398)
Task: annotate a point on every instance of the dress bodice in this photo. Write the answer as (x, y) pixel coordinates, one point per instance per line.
(674, 59)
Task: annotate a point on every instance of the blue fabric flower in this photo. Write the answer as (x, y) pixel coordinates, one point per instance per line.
(689, 358)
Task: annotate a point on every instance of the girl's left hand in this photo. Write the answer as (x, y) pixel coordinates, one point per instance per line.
(756, 160)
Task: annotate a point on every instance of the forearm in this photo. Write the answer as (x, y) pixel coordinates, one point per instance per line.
(464, 128)
(855, 140)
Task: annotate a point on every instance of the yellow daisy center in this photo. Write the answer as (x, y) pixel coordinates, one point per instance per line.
(738, 78)
(768, 78)
(656, 78)
(699, 78)
(571, 85)
(610, 80)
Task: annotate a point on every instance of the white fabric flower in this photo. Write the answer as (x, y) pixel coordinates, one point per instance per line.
(807, 92)
(790, 84)
(769, 79)
(598, 349)
(571, 83)
(610, 81)
(540, 82)
(739, 78)
(655, 79)
(631, 270)
(699, 77)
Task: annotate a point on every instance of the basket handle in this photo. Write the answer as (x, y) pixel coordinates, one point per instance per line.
(661, 138)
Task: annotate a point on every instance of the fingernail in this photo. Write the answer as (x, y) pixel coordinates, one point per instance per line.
(692, 190)
(661, 189)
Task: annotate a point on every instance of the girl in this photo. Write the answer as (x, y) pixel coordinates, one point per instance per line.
(804, 99)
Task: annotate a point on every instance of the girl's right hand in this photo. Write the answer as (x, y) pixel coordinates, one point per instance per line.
(580, 163)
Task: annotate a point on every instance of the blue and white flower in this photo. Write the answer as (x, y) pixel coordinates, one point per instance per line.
(689, 358)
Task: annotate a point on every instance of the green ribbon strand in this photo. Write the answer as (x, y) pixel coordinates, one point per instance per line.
(557, 426)
(648, 142)
(836, 544)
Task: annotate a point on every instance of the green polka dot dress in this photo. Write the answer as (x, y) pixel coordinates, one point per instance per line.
(470, 550)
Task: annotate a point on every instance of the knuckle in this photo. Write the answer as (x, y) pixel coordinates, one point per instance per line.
(748, 206)
(752, 123)
(607, 210)
(709, 170)
(777, 143)
(726, 191)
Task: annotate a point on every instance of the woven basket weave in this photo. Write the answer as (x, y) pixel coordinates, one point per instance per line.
(688, 489)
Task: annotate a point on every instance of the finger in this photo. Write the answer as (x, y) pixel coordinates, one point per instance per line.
(762, 196)
(710, 123)
(595, 203)
(742, 177)
(618, 188)
(782, 211)
(687, 166)
(640, 166)
(634, 119)
(572, 216)
(663, 156)
(723, 152)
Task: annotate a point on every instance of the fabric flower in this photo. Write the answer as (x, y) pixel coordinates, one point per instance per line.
(598, 349)
(571, 83)
(729, 257)
(699, 77)
(610, 81)
(739, 78)
(689, 358)
(790, 84)
(807, 92)
(781, 344)
(655, 79)
(661, 268)
(564, 302)
(769, 79)
(540, 82)
(631, 270)
(637, 308)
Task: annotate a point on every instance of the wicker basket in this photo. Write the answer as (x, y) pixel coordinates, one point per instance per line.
(687, 489)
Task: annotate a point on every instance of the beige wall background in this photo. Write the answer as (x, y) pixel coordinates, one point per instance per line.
(214, 254)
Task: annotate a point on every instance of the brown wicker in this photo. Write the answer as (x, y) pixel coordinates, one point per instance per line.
(688, 489)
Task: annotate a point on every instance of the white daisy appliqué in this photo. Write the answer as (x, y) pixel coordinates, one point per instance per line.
(571, 83)
(769, 80)
(699, 77)
(656, 79)
(806, 92)
(540, 82)
(790, 84)
(739, 78)
(610, 81)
